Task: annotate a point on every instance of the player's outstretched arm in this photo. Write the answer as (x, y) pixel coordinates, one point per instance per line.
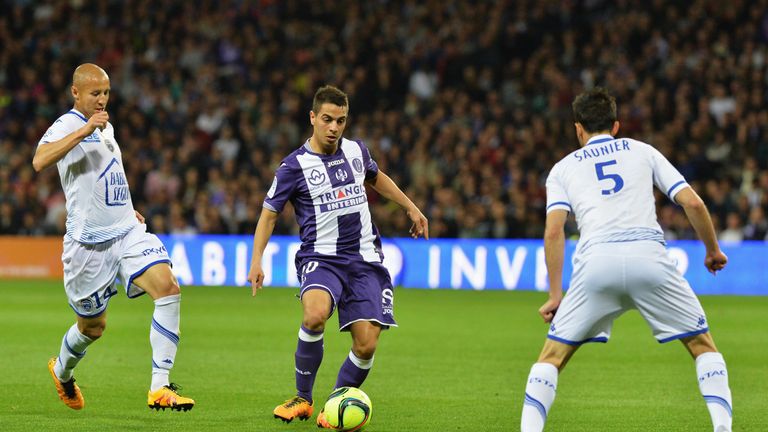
(264, 229)
(698, 215)
(384, 185)
(52, 152)
(554, 254)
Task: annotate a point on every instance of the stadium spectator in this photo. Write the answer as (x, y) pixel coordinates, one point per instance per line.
(478, 90)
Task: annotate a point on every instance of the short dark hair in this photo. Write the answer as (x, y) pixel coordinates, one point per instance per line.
(595, 109)
(329, 94)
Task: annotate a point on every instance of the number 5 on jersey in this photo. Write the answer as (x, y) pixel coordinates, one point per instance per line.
(618, 182)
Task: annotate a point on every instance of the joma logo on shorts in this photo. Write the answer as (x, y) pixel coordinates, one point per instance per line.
(154, 251)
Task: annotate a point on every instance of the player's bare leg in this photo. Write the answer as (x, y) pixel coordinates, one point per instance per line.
(73, 349)
(158, 281)
(354, 370)
(316, 307)
(713, 379)
(541, 387)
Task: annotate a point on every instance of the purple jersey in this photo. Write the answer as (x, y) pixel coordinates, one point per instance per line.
(328, 195)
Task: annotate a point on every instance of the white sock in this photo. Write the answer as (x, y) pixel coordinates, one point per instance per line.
(713, 383)
(72, 350)
(539, 395)
(164, 338)
(360, 363)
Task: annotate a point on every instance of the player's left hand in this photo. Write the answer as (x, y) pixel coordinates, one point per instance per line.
(420, 227)
(139, 216)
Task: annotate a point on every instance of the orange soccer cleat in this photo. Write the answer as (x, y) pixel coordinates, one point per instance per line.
(69, 392)
(167, 397)
(322, 422)
(292, 408)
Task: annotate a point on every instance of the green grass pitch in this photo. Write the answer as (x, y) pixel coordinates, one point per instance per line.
(458, 362)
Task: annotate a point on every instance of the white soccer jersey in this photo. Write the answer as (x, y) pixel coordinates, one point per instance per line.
(99, 206)
(608, 185)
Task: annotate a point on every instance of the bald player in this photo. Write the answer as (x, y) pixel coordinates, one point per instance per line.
(106, 240)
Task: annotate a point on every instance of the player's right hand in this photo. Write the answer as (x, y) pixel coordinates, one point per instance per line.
(715, 261)
(256, 278)
(98, 120)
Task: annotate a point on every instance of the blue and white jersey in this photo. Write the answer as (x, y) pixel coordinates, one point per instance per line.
(99, 206)
(331, 206)
(608, 185)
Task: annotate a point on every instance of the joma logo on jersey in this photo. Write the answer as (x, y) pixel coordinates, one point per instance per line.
(332, 164)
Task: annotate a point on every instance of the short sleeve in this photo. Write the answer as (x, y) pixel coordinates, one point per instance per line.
(58, 130)
(665, 176)
(557, 198)
(370, 165)
(283, 186)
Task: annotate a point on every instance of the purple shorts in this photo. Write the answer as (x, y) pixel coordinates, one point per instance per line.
(361, 291)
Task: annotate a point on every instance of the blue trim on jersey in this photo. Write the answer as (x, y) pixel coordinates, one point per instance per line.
(139, 273)
(269, 206)
(530, 400)
(75, 113)
(600, 141)
(601, 339)
(154, 365)
(106, 303)
(673, 188)
(719, 401)
(173, 337)
(561, 203)
(684, 335)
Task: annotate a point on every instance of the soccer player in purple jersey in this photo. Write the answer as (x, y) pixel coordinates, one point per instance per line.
(340, 259)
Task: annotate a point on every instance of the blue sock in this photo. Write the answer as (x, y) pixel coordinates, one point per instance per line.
(309, 355)
(354, 371)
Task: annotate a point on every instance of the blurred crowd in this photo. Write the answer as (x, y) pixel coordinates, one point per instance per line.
(466, 105)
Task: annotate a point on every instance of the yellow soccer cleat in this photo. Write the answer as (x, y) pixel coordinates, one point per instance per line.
(292, 408)
(167, 397)
(322, 422)
(69, 392)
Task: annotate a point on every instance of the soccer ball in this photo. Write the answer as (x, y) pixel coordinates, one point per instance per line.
(348, 409)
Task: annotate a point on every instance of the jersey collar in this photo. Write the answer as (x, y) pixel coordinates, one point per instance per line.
(599, 139)
(79, 114)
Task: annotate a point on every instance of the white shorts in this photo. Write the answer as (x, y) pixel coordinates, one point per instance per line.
(612, 278)
(91, 270)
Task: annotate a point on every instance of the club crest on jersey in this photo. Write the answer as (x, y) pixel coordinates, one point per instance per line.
(341, 175)
(357, 164)
(109, 144)
(316, 178)
(86, 305)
